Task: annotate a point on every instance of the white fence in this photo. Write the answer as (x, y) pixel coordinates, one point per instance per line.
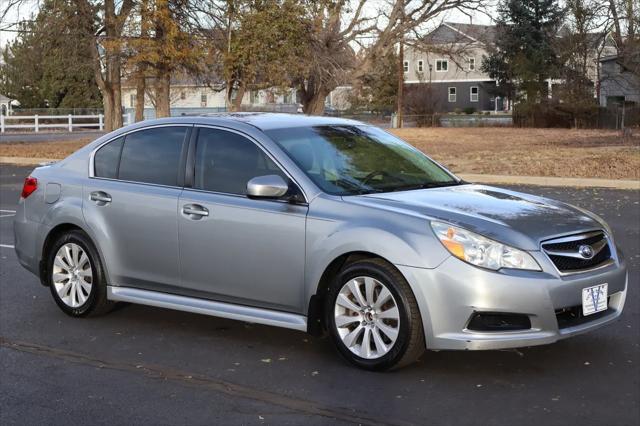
(56, 122)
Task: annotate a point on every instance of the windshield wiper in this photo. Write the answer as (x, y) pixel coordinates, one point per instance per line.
(425, 186)
(356, 188)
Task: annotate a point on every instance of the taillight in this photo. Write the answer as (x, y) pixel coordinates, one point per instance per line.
(30, 185)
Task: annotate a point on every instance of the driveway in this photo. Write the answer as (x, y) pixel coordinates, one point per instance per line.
(146, 365)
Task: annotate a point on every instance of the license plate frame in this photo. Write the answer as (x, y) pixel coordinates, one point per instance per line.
(595, 299)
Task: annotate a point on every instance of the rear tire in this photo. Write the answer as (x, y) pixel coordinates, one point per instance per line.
(373, 317)
(75, 276)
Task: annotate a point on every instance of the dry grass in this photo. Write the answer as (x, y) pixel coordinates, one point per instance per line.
(530, 152)
(487, 150)
(55, 149)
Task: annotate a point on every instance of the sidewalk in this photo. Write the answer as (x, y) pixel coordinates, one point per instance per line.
(552, 181)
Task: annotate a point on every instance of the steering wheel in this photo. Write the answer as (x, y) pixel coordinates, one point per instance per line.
(373, 174)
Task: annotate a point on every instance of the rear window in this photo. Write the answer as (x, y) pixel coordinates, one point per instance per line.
(106, 159)
(152, 156)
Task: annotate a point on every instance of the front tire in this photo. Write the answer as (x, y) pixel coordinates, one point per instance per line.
(76, 277)
(373, 317)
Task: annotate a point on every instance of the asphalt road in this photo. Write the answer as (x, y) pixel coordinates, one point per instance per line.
(146, 365)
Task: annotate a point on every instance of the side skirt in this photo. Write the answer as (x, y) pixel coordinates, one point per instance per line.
(207, 307)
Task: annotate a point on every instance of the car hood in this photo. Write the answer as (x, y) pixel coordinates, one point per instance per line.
(514, 218)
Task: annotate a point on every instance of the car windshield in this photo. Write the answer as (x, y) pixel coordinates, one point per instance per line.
(350, 160)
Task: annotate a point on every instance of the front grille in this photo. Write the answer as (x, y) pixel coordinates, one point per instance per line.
(565, 252)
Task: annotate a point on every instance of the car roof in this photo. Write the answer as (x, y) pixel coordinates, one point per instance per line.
(270, 120)
(259, 120)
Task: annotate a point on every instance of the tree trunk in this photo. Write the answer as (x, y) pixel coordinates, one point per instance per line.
(141, 82)
(107, 104)
(113, 98)
(313, 94)
(141, 85)
(107, 74)
(117, 94)
(237, 102)
(163, 86)
(314, 104)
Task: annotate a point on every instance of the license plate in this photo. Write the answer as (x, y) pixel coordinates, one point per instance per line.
(594, 299)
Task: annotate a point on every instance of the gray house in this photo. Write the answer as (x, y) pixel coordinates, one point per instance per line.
(619, 81)
(447, 61)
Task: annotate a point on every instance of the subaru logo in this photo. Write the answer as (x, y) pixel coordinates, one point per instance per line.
(586, 251)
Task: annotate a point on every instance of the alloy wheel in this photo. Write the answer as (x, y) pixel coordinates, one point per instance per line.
(72, 275)
(367, 317)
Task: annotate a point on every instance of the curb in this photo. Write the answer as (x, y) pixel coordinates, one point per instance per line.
(476, 178)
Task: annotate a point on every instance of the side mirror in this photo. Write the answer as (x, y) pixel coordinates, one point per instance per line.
(270, 186)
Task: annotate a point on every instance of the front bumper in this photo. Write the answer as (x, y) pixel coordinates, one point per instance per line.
(451, 293)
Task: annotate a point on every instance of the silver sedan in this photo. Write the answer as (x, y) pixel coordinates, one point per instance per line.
(315, 224)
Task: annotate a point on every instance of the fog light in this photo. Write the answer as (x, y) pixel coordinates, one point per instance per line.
(498, 321)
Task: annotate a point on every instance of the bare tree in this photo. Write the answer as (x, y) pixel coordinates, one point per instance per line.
(340, 25)
(625, 22)
(107, 54)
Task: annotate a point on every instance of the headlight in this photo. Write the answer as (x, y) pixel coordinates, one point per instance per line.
(482, 251)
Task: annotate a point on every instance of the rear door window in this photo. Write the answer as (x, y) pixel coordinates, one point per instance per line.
(153, 155)
(107, 158)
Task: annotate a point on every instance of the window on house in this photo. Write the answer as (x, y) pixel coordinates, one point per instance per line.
(405, 66)
(253, 96)
(442, 65)
(203, 99)
(471, 65)
(420, 66)
(183, 96)
(452, 94)
(474, 94)
(132, 100)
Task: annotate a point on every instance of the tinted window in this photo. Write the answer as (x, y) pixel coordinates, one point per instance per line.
(152, 155)
(106, 159)
(226, 161)
(348, 160)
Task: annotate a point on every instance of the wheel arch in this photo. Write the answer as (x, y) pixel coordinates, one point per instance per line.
(315, 316)
(51, 236)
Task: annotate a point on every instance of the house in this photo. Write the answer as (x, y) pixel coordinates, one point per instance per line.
(619, 80)
(448, 60)
(190, 96)
(5, 105)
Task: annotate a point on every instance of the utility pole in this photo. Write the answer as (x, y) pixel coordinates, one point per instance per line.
(400, 72)
(229, 89)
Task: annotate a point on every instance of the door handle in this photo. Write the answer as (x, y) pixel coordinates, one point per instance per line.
(195, 210)
(100, 197)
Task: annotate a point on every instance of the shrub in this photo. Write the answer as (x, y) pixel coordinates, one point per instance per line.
(469, 110)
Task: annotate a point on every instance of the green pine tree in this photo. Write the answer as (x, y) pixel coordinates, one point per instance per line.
(523, 57)
(49, 64)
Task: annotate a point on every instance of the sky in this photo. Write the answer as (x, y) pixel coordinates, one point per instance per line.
(28, 8)
(15, 14)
